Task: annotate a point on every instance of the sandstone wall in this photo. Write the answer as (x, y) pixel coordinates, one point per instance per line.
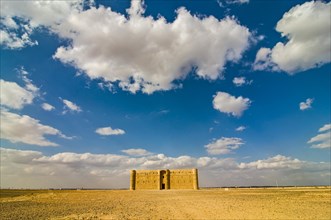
(181, 179)
(147, 179)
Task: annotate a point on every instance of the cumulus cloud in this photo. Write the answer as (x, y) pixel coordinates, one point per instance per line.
(14, 96)
(20, 19)
(276, 162)
(136, 152)
(241, 128)
(141, 53)
(307, 29)
(47, 107)
(13, 40)
(223, 145)
(9, 22)
(240, 81)
(322, 140)
(33, 169)
(306, 105)
(263, 60)
(70, 106)
(226, 103)
(109, 131)
(24, 129)
(167, 51)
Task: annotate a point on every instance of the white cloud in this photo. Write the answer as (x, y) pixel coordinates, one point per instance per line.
(222, 3)
(241, 128)
(14, 96)
(240, 81)
(263, 60)
(109, 131)
(229, 104)
(33, 169)
(13, 40)
(40, 13)
(307, 28)
(22, 128)
(276, 162)
(26, 16)
(28, 82)
(306, 105)
(9, 22)
(223, 145)
(70, 106)
(108, 86)
(171, 50)
(136, 152)
(325, 128)
(237, 1)
(47, 107)
(143, 54)
(322, 140)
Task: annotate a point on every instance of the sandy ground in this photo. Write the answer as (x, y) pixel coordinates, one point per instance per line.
(270, 203)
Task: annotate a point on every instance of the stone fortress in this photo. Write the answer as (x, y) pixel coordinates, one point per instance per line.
(164, 179)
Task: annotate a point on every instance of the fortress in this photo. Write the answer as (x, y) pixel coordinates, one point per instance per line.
(164, 179)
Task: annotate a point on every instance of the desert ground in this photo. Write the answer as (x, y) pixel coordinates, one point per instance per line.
(217, 203)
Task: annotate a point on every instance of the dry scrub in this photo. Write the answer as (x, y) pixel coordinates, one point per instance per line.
(272, 203)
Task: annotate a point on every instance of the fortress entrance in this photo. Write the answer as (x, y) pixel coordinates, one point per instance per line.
(164, 179)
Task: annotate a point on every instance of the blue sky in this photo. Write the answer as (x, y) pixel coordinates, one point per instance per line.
(239, 89)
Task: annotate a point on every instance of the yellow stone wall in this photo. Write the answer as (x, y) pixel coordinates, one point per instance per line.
(147, 179)
(164, 179)
(181, 179)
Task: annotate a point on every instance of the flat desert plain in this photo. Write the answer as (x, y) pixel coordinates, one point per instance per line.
(220, 203)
